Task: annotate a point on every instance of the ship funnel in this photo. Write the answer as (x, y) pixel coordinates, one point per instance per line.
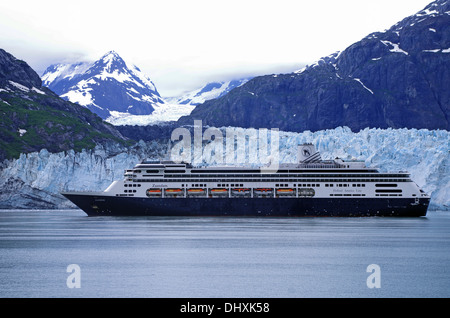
(307, 153)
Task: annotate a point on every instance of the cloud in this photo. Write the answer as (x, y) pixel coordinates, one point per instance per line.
(181, 43)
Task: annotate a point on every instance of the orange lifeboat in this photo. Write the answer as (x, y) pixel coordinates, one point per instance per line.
(264, 190)
(155, 192)
(195, 191)
(174, 191)
(285, 191)
(240, 191)
(219, 191)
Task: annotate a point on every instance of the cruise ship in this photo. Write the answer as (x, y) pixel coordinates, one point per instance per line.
(311, 187)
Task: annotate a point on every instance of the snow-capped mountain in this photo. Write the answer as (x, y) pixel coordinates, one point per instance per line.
(104, 86)
(209, 91)
(395, 78)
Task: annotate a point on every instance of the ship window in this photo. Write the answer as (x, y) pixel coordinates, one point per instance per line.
(174, 171)
(388, 191)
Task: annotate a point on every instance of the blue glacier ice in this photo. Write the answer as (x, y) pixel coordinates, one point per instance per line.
(35, 180)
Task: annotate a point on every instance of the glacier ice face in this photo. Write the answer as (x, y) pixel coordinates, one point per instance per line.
(162, 113)
(35, 180)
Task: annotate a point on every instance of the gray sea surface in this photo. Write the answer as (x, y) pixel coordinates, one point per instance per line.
(64, 253)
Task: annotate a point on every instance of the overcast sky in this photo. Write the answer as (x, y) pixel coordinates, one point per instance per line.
(182, 44)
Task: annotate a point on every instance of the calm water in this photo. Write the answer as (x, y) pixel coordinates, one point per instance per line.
(222, 257)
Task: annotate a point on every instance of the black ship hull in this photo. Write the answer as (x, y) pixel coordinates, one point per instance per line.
(100, 205)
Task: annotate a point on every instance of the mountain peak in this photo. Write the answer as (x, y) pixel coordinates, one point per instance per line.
(111, 53)
(111, 56)
(105, 85)
(111, 61)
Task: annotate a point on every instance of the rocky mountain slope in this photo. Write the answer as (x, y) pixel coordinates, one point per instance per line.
(396, 78)
(33, 117)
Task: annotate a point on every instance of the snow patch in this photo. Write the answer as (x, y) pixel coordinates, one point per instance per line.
(359, 81)
(396, 47)
(81, 97)
(19, 86)
(21, 132)
(209, 91)
(34, 89)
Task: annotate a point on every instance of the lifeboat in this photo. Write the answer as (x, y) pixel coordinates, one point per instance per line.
(195, 192)
(153, 192)
(219, 191)
(285, 191)
(240, 192)
(174, 192)
(263, 191)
